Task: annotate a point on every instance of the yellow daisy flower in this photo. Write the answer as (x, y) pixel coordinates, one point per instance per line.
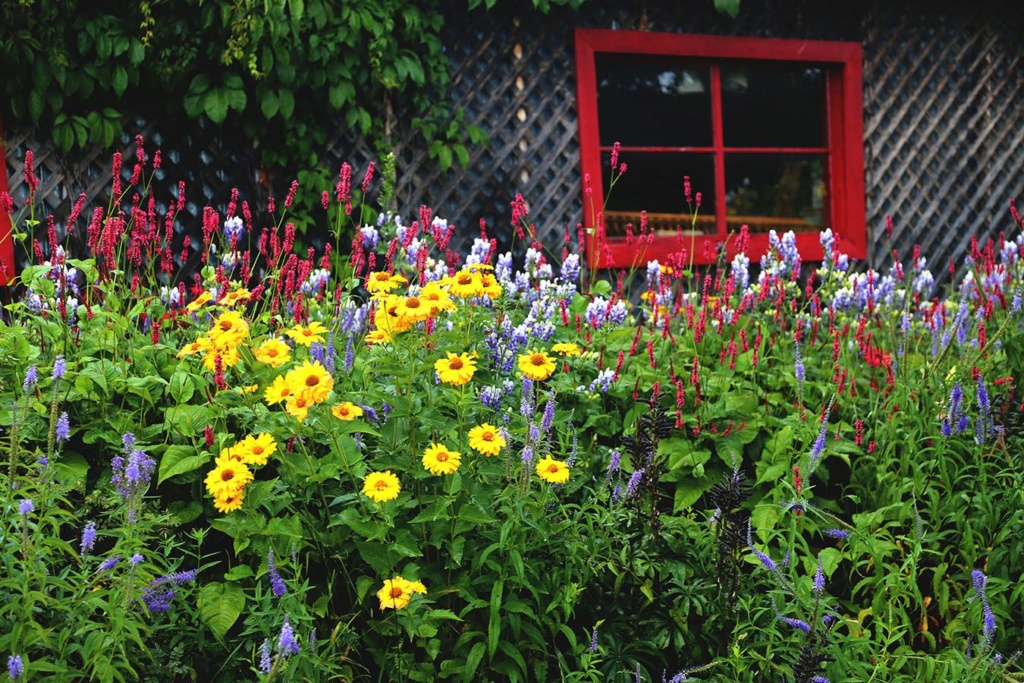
(255, 449)
(536, 365)
(395, 594)
(229, 502)
(346, 411)
(229, 329)
(278, 391)
(567, 349)
(306, 335)
(272, 352)
(417, 587)
(378, 336)
(456, 369)
(466, 284)
(239, 296)
(437, 298)
(383, 281)
(486, 439)
(437, 459)
(199, 302)
(413, 309)
(492, 290)
(298, 406)
(387, 317)
(199, 345)
(231, 453)
(553, 471)
(227, 478)
(311, 380)
(381, 486)
(228, 358)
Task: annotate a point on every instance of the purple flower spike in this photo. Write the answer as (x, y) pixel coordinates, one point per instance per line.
(286, 643)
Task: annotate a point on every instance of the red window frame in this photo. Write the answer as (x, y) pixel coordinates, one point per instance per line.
(844, 127)
(6, 232)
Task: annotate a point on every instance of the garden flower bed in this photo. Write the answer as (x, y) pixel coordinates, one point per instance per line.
(383, 460)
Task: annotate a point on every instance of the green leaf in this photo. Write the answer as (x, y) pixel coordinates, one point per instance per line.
(136, 53)
(220, 605)
(444, 157)
(182, 386)
(215, 104)
(270, 104)
(71, 469)
(473, 662)
(772, 472)
(376, 555)
(287, 103)
(688, 493)
(730, 7)
(494, 620)
(236, 99)
(340, 94)
(239, 572)
(434, 512)
(472, 513)
(188, 420)
(765, 517)
(179, 460)
(120, 80)
(35, 105)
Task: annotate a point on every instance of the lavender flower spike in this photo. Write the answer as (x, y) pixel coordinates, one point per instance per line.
(819, 580)
(60, 367)
(88, 537)
(286, 643)
(277, 585)
(109, 564)
(265, 656)
(31, 377)
(63, 428)
(768, 563)
(15, 667)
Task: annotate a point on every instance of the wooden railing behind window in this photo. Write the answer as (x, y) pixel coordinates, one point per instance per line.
(667, 224)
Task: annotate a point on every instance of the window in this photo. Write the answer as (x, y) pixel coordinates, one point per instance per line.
(769, 131)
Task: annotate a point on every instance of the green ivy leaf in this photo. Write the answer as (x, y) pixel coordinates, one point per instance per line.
(287, 103)
(270, 104)
(215, 105)
(120, 80)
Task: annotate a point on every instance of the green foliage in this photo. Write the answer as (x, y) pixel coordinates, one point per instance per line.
(280, 72)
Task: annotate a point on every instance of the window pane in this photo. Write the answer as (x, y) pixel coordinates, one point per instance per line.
(663, 103)
(776, 191)
(654, 183)
(773, 105)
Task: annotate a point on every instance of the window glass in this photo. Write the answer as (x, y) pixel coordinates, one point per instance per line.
(654, 183)
(643, 102)
(776, 191)
(773, 105)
